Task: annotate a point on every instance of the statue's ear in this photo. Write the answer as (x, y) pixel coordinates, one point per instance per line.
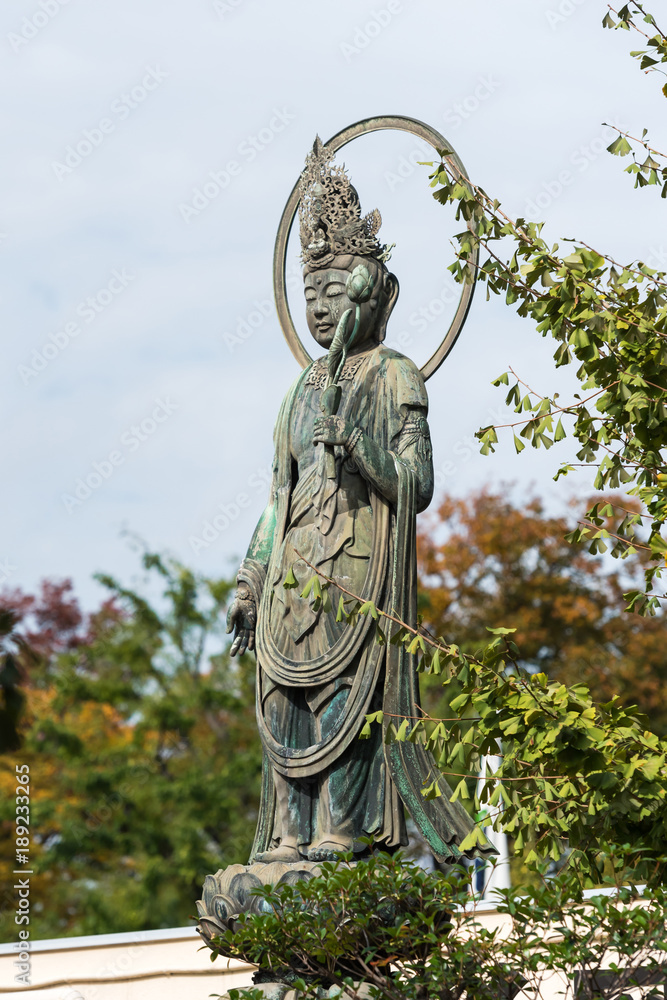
(389, 297)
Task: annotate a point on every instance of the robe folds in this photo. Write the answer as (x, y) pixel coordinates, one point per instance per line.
(328, 674)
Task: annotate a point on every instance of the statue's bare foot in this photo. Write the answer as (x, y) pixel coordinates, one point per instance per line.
(286, 853)
(328, 850)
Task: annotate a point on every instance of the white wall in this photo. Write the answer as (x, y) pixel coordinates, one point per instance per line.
(146, 965)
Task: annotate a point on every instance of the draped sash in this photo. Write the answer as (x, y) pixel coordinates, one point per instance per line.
(444, 824)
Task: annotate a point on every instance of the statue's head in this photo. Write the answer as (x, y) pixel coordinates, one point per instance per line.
(348, 280)
(344, 262)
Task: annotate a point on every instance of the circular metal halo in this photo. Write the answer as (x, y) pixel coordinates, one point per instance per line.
(377, 124)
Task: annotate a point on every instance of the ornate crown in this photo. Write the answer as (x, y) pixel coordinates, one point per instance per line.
(330, 214)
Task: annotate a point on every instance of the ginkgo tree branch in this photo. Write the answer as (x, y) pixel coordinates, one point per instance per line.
(499, 702)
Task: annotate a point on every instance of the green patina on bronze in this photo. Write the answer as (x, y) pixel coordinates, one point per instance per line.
(353, 467)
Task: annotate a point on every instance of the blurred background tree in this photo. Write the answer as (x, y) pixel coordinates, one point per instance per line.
(142, 746)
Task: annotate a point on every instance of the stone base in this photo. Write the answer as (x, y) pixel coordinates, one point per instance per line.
(281, 991)
(229, 893)
(275, 991)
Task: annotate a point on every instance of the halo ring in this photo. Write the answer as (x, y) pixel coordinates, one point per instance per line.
(377, 124)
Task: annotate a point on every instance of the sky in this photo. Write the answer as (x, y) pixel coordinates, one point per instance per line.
(149, 148)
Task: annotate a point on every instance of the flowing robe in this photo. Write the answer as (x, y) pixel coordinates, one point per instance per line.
(317, 678)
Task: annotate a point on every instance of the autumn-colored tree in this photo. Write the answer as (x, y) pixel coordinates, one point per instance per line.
(144, 760)
(488, 560)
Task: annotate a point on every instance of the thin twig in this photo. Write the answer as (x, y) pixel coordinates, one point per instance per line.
(433, 718)
(632, 24)
(431, 642)
(617, 506)
(610, 534)
(571, 408)
(612, 260)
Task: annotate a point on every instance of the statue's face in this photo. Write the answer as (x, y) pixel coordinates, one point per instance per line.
(327, 300)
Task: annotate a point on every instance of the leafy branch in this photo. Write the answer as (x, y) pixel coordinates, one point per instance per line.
(646, 171)
(572, 771)
(611, 319)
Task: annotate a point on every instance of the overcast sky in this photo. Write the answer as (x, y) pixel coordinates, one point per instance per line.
(149, 147)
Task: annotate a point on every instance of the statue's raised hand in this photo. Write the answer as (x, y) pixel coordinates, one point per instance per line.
(242, 619)
(331, 430)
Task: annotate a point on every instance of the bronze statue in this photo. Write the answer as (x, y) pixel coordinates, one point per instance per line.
(353, 467)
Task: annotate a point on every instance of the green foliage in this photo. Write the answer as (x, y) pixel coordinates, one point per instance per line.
(645, 168)
(656, 51)
(144, 758)
(573, 773)
(411, 935)
(359, 922)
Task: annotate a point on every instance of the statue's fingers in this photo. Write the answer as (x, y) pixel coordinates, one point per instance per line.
(251, 639)
(235, 645)
(244, 641)
(231, 618)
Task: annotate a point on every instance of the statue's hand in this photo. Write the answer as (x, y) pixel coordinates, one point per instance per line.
(242, 619)
(331, 430)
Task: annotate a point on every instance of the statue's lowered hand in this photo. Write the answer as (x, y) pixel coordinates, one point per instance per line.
(242, 619)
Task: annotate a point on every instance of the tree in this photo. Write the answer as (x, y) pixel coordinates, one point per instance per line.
(489, 560)
(144, 761)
